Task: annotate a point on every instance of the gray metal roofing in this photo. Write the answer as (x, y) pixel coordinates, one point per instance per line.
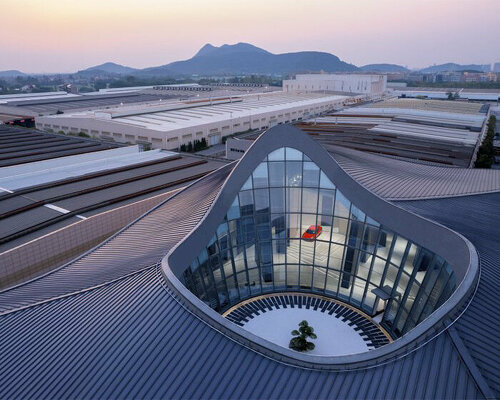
(137, 246)
(477, 218)
(132, 339)
(21, 145)
(398, 179)
(25, 210)
(86, 101)
(109, 320)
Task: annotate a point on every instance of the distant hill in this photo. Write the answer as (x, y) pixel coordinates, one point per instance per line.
(110, 68)
(384, 68)
(452, 67)
(244, 58)
(12, 73)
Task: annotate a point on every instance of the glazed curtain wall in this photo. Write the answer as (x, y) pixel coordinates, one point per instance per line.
(259, 248)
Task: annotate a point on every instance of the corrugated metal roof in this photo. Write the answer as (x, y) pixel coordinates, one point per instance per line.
(477, 218)
(397, 179)
(106, 326)
(137, 246)
(131, 339)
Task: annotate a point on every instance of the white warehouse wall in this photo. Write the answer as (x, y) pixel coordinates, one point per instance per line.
(372, 84)
(212, 129)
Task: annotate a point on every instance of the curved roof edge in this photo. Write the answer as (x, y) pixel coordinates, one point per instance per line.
(454, 248)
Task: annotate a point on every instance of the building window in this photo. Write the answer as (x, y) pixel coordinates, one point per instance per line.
(290, 228)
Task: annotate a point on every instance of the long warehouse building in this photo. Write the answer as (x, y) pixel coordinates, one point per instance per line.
(168, 125)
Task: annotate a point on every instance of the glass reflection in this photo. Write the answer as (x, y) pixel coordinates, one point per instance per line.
(263, 245)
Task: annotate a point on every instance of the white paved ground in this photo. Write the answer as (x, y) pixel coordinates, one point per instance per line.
(335, 338)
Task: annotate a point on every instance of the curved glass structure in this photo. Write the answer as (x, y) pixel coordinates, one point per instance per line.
(290, 229)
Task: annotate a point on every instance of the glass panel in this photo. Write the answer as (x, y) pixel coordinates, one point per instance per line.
(293, 199)
(377, 271)
(410, 259)
(234, 210)
(279, 276)
(277, 200)
(294, 173)
(321, 250)
(306, 276)
(260, 176)
(310, 175)
(371, 221)
(399, 250)
(293, 154)
(332, 281)
(248, 184)
(339, 230)
(326, 201)
(294, 226)
(293, 251)
(254, 281)
(369, 300)
(279, 251)
(277, 155)
(336, 256)
(325, 183)
(246, 202)
(277, 174)
(278, 226)
(243, 285)
(292, 275)
(384, 243)
(342, 205)
(260, 247)
(309, 200)
(357, 214)
(319, 278)
(261, 199)
(232, 289)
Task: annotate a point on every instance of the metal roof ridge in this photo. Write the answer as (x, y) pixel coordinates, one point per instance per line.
(470, 363)
(87, 289)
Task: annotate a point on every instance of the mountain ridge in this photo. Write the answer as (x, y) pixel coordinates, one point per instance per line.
(384, 67)
(454, 67)
(110, 67)
(11, 73)
(245, 58)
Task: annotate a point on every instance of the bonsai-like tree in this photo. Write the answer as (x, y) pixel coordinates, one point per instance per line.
(299, 341)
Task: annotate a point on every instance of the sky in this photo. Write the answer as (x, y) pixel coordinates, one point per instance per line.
(45, 36)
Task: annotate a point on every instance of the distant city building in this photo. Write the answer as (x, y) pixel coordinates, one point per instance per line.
(347, 83)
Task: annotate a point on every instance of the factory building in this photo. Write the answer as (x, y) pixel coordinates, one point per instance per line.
(170, 124)
(372, 85)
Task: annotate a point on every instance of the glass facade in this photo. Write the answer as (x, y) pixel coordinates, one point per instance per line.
(290, 229)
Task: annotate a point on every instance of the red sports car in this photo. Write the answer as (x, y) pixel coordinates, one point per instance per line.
(312, 232)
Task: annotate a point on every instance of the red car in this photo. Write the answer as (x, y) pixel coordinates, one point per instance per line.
(312, 232)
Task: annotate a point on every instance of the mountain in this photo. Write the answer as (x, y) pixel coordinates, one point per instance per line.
(244, 58)
(452, 67)
(384, 68)
(12, 73)
(110, 68)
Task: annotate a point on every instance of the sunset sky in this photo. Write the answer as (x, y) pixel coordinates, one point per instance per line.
(67, 35)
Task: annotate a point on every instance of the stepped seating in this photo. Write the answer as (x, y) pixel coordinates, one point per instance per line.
(367, 329)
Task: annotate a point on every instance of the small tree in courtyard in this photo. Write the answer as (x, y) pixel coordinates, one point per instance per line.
(299, 341)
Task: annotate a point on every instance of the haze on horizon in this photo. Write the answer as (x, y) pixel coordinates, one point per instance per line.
(45, 36)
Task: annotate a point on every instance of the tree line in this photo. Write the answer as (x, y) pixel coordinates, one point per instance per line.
(191, 147)
(486, 153)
